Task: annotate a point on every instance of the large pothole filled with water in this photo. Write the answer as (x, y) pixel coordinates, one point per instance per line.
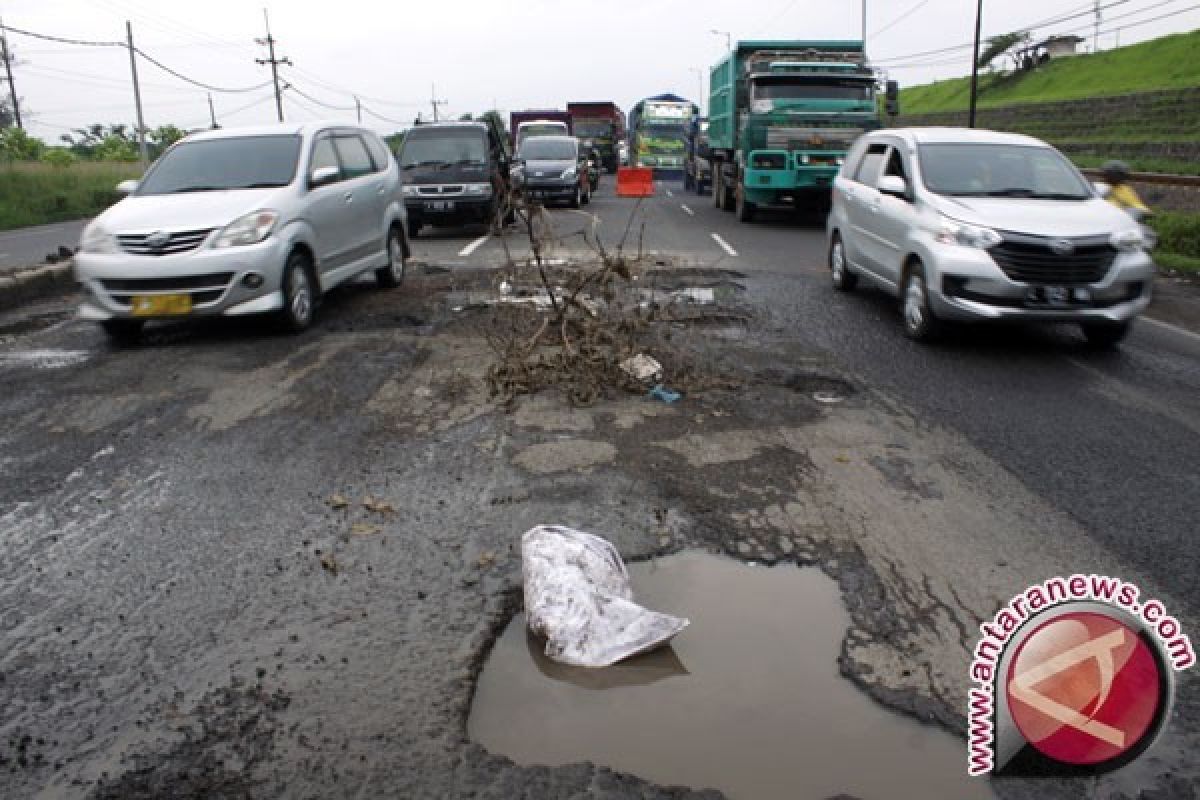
(747, 699)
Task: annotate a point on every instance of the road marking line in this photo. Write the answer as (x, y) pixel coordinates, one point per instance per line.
(690, 213)
(724, 245)
(473, 246)
(1170, 327)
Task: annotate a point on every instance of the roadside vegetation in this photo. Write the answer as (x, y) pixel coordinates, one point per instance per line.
(1178, 241)
(1166, 63)
(1168, 166)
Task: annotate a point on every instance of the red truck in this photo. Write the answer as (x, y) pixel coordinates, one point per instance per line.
(603, 124)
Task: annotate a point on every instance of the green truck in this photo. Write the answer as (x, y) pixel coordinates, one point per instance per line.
(782, 115)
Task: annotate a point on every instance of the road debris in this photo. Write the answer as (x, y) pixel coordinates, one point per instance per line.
(337, 502)
(578, 595)
(365, 529)
(642, 368)
(378, 506)
(660, 392)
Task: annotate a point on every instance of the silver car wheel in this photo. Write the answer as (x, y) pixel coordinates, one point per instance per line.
(396, 254)
(837, 263)
(914, 304)
(301, 295)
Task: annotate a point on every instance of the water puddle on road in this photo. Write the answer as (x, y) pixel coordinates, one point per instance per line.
(747, 699)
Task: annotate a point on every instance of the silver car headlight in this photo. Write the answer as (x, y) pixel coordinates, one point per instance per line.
(410, 191)
(1129, 241)
(964, 235)
(249, 229)
(569, 174)
(96, 239)
(478, 189)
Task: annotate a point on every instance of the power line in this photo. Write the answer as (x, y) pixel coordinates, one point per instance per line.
(60, 39)
(382, 117)
(901, 18)
(195, 82)
(292, 86)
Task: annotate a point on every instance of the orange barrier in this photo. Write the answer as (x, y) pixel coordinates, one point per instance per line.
(635, 182)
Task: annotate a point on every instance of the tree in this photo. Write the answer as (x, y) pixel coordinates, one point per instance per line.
(6, 112)
(163, 137)
(395, 140)
(86, 142)
(1002, 45)
(115, 147)
(17, 145)
(466, 117)
(497, 119)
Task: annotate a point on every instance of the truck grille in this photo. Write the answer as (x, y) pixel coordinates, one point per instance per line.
(202, 288)
(139, 244)
(1034, 259)
(793, 138)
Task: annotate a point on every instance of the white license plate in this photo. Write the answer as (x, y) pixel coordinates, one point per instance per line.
(1057, 296)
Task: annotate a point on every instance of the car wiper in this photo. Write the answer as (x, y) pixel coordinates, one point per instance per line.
(1058, 196)
(1013, 191)
(199, 189)
(263, 185)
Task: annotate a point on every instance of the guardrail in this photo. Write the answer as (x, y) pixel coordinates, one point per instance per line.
(1160, 178)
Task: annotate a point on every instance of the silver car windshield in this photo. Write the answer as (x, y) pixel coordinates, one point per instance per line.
(541, 148)
(1000, 170)
(213, 165)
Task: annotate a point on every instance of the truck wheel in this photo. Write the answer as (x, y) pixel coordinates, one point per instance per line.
(687, 182)
(577, 200)
(718, 192)
(745, 209)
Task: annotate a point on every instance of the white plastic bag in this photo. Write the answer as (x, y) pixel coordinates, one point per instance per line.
(577, 595)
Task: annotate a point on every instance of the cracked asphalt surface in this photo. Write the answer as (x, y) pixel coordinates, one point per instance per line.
(186, 614)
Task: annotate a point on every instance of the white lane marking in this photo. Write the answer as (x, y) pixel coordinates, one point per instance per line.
(724, 245)
(670, 193)
(1170, 327)
(473, 246)
(689, 212)
(43, 359)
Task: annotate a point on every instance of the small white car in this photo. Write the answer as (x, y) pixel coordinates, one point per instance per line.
(245, 221)
(965, 224)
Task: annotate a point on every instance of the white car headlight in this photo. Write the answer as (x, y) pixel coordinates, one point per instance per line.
(410, 191)
(964, 235)
(96, 239)
(478, 189)
(249, 229)
(569, 174)
(1129, 241)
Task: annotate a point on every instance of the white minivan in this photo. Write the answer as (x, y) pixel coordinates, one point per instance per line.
(965, 224)
(245, 221)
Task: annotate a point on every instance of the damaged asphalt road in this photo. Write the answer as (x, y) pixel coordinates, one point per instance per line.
(186, 613)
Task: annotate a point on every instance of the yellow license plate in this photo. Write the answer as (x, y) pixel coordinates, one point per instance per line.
(161, 305)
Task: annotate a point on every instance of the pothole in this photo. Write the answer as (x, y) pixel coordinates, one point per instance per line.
(747, 699)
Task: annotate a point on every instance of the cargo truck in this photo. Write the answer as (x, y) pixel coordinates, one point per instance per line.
(782, 115)
(657, 129)
(697, 168)
(516, 118)
(603, 124)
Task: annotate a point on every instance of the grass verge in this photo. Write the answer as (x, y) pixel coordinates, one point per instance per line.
(36, 194)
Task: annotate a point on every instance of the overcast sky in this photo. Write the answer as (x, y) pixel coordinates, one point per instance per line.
(503, 53)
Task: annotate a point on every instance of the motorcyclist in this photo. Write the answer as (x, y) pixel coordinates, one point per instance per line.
(1120, 193)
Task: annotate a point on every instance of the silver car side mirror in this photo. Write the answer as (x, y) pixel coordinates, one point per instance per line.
(127, 187)
(893, 185)
(322, 176)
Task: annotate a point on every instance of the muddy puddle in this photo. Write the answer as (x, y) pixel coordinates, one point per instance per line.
(747, 700)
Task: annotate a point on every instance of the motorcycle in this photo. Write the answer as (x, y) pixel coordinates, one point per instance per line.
(1139, 215)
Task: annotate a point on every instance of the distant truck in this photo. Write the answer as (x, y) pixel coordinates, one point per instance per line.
(782, 115)
(517, 118)
(697, 158)
(603, 124)
(657, 130)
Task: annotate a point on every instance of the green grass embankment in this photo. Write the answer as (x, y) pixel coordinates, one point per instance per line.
(36, 193)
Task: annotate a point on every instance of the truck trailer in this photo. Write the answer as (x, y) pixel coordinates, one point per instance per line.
(782, 115)
(603, 124)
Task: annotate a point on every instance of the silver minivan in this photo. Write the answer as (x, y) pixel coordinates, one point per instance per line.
(245, 221)
(965, 224)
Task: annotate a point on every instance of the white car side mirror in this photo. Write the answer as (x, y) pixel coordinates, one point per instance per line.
(893, 185)
(127, 187)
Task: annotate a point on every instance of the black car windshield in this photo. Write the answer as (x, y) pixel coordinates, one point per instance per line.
(211, 165)
(443, 146)
(589, 127)
(1000, 170)
(545, 148)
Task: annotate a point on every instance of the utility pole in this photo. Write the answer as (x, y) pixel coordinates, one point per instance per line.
(864, 25)
(1096, 30)
(358, 109)
(274, 62)
(433, 101)
(137, 98)
(212, 113)
(975, 63)
(8, 65)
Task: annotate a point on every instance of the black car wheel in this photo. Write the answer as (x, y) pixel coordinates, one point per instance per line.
(298, 295)
(843, 279)
(919, 321)
(392, 275)
(123, 332)
(1105, 335)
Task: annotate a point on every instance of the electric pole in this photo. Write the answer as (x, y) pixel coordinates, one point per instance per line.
(212, 113)
(8, 65)
(137, 98)
(358, 109)
(1096, 30)
(975, 63)
(274, 62)
(433, 101)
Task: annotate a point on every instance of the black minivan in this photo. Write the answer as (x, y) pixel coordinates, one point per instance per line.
(455, 173)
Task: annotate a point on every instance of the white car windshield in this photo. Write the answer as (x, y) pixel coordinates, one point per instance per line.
(212, 165)
(1000, 170)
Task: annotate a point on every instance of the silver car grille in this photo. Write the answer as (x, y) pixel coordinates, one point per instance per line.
(162, 243)
(441, 190)
(202, 288)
